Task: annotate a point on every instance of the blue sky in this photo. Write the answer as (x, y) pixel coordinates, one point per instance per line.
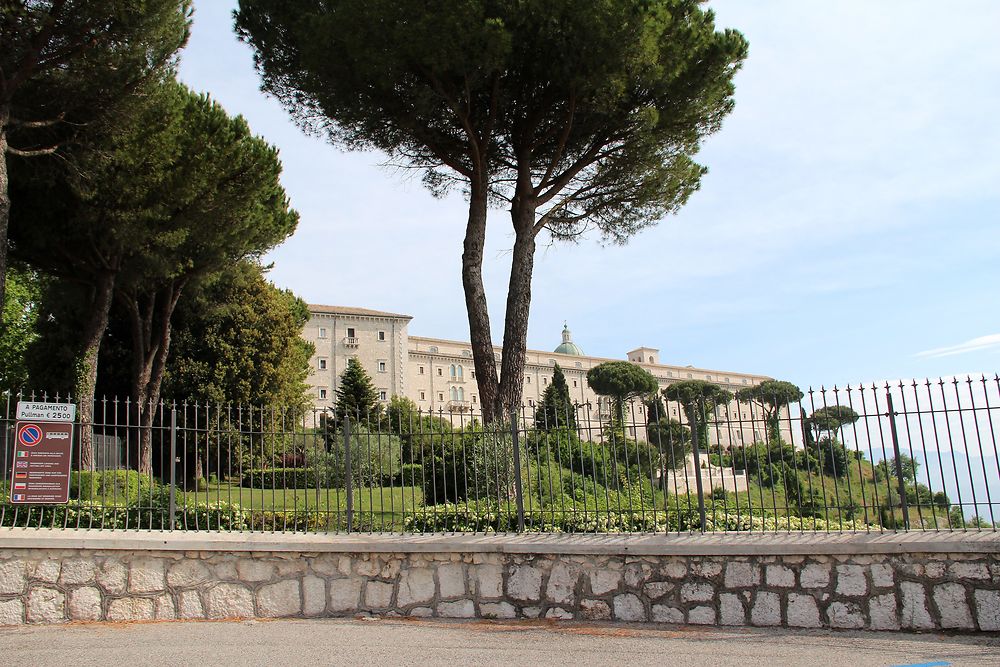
(847, 230)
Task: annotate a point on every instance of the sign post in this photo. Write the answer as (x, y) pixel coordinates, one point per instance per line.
(43, 453)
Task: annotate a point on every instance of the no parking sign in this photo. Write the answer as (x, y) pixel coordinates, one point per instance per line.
(43, 453)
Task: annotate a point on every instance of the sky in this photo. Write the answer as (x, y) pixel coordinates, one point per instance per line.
(848, 230)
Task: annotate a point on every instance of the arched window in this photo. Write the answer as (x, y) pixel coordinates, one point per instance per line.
(451, 371)
(461, 393)
(454, 394)
(461, 373)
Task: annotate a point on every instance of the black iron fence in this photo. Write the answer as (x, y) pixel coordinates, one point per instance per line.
(920, 455)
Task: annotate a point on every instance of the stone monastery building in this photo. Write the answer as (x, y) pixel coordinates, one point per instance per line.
(439, 374)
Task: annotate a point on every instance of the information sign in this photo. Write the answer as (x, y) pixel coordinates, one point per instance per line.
(43, 454)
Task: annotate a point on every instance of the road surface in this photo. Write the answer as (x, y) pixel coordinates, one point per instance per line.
(510, 644)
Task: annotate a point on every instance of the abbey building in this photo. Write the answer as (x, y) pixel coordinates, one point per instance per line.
(439, 375)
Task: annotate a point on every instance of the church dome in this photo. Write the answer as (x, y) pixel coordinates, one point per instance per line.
(568, 346)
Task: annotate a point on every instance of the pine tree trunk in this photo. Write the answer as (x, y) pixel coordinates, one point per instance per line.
(93, 334)
(515, 334)
(4, 202)
(476, 306)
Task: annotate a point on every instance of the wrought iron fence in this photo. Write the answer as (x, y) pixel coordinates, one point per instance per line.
(919, 455)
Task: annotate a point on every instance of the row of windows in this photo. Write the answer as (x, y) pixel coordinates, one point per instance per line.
(352, 333)
(455, 393)
(322, 365)
(383, 395)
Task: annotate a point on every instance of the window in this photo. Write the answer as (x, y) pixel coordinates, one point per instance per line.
(579, 364)
(473, 398)
(744, 380)
(545, 381)
(472, 374)
(440, 396)
(440, 372)
(708, 377)
(452, 373)
(527, 378)
(461, 373)
(727, 380)
(381, 367)
(574, 383)
(421, 371)
(423, 396)
(651, 360)
(322, 364)
(322, 394)
(453, 394)
(381, 335)
(382, 395)
(690, 376)
(322, 332)
(432, 349)
(531, 403)
(350, 332)
(670, 374)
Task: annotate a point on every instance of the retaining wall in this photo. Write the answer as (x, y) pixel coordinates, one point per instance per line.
(878, 582)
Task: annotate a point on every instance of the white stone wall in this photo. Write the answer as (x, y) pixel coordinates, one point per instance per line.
(916, 591)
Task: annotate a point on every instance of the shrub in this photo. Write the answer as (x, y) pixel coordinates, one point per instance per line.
(478, 466)
(109, 487)
(281, 478)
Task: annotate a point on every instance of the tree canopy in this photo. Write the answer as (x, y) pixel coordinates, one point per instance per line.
(64, 64)
(556, 409)
(699, 400)
(357, 397)
(831, 418)
(578, 114)
(621, 380)
(770, 396)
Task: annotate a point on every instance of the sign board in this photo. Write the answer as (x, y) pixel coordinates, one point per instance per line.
(48, 412)
(43, 454)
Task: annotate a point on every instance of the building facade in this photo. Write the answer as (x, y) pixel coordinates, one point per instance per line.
(439, 374)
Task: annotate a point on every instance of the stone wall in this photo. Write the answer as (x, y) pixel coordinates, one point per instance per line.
(912, 591)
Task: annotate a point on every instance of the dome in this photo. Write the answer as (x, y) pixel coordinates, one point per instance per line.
(568, 346)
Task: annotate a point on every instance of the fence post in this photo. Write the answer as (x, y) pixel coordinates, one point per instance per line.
(518, 491)
(173, 467)
(348, 473)
(697, 466)
(891, 414)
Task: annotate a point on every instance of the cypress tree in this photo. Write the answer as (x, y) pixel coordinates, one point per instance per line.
(356, 395)
(556, 409)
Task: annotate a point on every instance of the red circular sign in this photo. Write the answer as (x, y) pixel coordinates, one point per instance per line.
(29, 435)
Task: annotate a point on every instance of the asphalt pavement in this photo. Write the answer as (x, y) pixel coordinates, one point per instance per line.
(427, 643)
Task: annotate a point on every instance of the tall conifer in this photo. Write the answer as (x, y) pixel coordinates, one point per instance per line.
(356, 395)
(556, 409)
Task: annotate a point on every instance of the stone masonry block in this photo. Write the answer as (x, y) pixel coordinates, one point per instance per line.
(131, 609)
(11, 612)
(561, 587)
(766, 609)
(628, 607)
(702, 616)
(802, 611)
(378, 595)
(604, 581)
(253, 570)
(987, 610)
(13, 576)
(969, 571)
(883, 575)
(345, 594)
(313, 595)
(697, 592)
(742, 575)
(46, 571)
(113, 576)
(489, 581)
(451, 580)
(229, 601)
(815, 575)
(76, 571)
(279, 599)
(595, 610)
(456, 609)
(524, 583)
(46, 605)
(953, 607)
(189, 605)
(882, 612)
(780, 576)
(187, 573)
(416, 585)
(146, 575)
(851, 580)
(915, 614)
(845, 615)
(731, 610)
(662, 613)
(85, 604)
(498, 610)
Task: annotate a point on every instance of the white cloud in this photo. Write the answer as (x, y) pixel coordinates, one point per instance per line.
(975, 345)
